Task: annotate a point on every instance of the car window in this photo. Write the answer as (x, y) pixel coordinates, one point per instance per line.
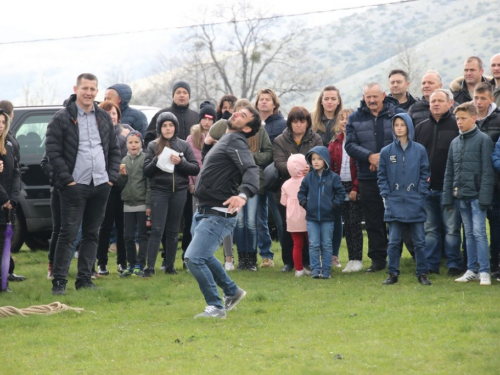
(31, 134)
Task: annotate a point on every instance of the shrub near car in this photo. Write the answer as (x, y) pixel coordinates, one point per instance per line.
(34, 218)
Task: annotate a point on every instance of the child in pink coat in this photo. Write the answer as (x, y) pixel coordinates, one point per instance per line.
(296, 222)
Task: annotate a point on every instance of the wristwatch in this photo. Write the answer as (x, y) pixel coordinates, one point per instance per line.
(243, 195)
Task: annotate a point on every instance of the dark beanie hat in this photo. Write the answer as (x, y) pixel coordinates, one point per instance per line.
(166, 116)
(207, 110)
(135, 133)
(182, 84)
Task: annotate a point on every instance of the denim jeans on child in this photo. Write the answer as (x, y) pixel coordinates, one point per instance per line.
(320, 247)
(394, 249)
(208, 231)
(474, 220)
(441, 222)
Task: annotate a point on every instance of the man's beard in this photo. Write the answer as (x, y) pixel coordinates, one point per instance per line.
(230, 125)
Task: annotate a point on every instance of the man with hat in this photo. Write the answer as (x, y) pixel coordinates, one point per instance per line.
(181, 93)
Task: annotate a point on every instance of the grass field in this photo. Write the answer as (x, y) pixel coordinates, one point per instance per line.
(350, 324)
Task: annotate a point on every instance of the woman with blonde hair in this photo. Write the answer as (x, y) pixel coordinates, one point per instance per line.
(328, 105)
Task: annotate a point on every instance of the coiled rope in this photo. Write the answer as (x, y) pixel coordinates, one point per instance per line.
(54, 307)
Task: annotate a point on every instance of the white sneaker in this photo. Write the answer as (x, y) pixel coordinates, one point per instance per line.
(306, 272)
(212, 312)
(336, 262)
(229, 266)
(348, 268)
(300, 273)
(485, 278)
(468, 276)
(357, 265)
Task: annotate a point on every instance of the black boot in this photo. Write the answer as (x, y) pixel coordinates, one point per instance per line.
(252, 262)
(242, 261)
(59, 287)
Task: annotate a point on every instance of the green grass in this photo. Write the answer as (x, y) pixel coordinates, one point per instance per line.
(350, 324)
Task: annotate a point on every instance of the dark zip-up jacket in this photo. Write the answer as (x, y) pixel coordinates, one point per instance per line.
(469, 169)
(185, 116)
(321, 195)
(131, 116)
(229, 164)
(410, 100)
(62, 141)
(459, 90)
(436, 137)
(275, 124)
(178, 180)
(285, 145)
(367, 134)
(403, 178)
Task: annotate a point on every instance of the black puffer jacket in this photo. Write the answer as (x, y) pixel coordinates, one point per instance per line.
(131, 116)
(178, 180)
(459, 90)
(62, 141)
(185, 116)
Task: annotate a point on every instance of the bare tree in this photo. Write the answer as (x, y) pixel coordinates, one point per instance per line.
(407, 59)
(238, 57)
(42, 91)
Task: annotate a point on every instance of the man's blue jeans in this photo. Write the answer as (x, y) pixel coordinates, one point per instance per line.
(474, 220)
(208, 231)
(394, 250)
(320, 243)
(441, 221)
(252, 230)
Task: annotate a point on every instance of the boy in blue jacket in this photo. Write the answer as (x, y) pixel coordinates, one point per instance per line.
(321, 193)
(403, 180)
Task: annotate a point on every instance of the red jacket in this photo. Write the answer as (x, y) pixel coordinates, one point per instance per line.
(335, 149)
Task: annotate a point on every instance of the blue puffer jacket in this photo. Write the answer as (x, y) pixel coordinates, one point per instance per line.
(321, 195)
(367, 134)
(403, 178)
(130, 116)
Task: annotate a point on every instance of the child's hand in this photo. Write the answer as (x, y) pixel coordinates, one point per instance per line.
(352, 196)
(123, 169)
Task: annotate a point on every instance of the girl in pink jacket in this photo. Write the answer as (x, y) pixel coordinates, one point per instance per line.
(295, 215)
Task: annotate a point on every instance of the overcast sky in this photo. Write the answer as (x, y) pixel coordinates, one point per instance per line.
(26, 63)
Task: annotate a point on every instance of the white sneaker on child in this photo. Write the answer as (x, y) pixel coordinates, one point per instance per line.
(485, 278)
(357, 265)
(348, 268)
(468, 276)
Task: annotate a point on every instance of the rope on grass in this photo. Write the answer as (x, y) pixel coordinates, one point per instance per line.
(54, 307)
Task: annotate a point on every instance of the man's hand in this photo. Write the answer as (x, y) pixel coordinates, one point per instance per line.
(1, 166)
(352, 196)
(234, 204)
(374, 159)
(110, 183)
(7, 205)
(209, 140)
(191, 189)
(71, 183)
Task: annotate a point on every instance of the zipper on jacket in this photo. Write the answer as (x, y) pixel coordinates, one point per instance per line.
(238, 154)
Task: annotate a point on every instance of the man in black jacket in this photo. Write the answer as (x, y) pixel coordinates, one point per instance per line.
(83, 152)
(398, 85)
(463, 87)
(436, 134)
(181, 93)
(226, 166)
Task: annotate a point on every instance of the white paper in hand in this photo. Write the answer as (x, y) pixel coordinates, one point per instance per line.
(164, 162)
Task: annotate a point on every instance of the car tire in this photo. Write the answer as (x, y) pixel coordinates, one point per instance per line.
(19, 232)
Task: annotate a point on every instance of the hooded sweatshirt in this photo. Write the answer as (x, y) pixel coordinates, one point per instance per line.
(130, 116)
(321, 194)
(403, 177)
(295, 214)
